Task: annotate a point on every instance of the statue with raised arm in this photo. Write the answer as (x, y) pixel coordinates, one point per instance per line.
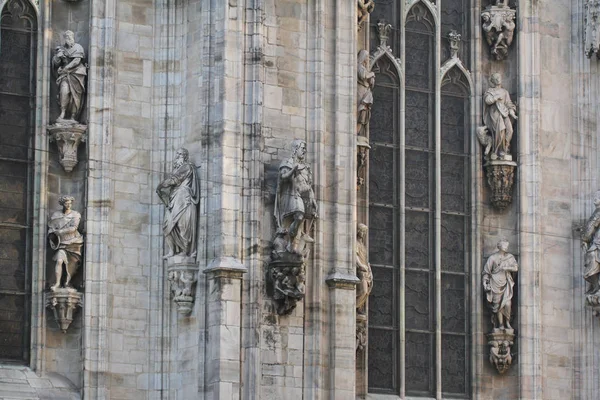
(66, 241)
(295, 203)
(180, 193)
(498, 113)
(498, 285)
(590, 244)
(71, 72)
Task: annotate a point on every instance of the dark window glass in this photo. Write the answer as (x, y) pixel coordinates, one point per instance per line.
(17, 96)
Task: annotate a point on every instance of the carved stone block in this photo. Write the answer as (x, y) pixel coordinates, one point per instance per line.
(63, 302)
(361, 332)
(285, 282)
(183, 275)
(498, 24)
(501, 177)
(500, 342)
(363, 147)
(67, 135)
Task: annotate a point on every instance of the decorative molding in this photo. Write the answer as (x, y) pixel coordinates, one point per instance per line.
(363, 10)
(384, 50)
(339, 280)
(501, 176)
(64, 302)
(68, 135)
(183, 276)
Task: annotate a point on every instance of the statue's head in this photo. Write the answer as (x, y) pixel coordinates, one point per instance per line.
(503, 245)
(361, 231)
(181, 157)
(495, 79)
(486, 16)
(69, 38)
(299, 149)
(363, 56)
(66, 202)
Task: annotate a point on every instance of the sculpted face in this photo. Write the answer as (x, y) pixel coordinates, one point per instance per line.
(496, 80)
(301, 150)
(180, 158)
(69, 39)
(503, 245)
(67, 205)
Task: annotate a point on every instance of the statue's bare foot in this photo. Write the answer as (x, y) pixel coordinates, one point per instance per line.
(54, 287)
(307, 238)
(168, 256)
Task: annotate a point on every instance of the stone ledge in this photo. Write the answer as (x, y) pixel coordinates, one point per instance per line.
(20, 383)
(227, 267)
(340, 280)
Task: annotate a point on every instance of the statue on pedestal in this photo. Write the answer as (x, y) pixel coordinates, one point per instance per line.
(495, 136)
(590, 244)
(70, 72)
(498, 286)
(295, 211)
(180, 193)
(67, 242)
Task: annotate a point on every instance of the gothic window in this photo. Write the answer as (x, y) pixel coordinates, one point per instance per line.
(18, 44)
(419, 207)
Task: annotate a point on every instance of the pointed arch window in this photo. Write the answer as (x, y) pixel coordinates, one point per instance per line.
(18, 46)
(419, 204)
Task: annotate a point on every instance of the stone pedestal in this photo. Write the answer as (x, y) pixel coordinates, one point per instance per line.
(183, 275)
(63, 302)
(285, 282)
(67, 135)
(501, 176)
(500, 342)
(224, 304)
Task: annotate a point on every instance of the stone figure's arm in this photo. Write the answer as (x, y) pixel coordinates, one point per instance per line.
(489, 98)
(590, 227)
(287, 173)
(72, 226)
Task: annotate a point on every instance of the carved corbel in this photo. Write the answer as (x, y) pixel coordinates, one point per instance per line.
(67, 136)
(498, 24)
(183, 276)
(592, 41)
(63, 302)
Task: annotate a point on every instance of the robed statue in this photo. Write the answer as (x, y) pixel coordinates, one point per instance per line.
(180, 193)
(498, 284)
(71, 72)
(590, 243)
(363, 269)
(365, 83)
(498, 113)
(295, 204)
(66, 241)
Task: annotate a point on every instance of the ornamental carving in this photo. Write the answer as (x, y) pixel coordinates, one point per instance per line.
(498, 24)
(364, 286)
(66, 241)
(68, 137)
(182, 278)
(363, 9)
(591, 38)
(495, 136)
(295, 212)
(498, 286)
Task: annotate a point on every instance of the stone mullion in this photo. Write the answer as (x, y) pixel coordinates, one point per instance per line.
(98, 263)
(530, 204)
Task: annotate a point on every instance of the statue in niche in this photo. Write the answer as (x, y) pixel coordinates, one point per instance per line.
(590, 244)
(66, 241)
(295, 204)
(366, 82)
(498, 110)
(363, 269)
(498, 286)
(71, 72)
(180, 193)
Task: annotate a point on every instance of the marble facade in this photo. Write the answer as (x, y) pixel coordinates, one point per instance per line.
(234, 83)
